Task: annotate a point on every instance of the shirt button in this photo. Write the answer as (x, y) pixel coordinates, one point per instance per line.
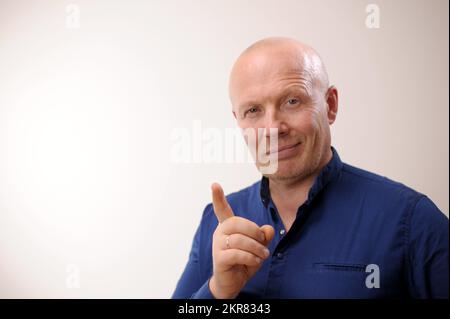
(282, 232)
(279, 255)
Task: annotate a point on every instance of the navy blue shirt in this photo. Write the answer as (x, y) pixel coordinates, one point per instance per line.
(358, 235)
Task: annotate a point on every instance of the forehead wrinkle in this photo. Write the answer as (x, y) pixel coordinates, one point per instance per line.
(292, 78)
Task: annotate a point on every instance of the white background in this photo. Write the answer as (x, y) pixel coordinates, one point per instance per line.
(88, 194)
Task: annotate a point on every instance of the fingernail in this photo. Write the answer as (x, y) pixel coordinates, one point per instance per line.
(266, 252)
(263, 238)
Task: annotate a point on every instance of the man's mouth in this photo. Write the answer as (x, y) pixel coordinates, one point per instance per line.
(283, 149)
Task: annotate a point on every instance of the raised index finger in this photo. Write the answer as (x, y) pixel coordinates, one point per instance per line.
(221, 207)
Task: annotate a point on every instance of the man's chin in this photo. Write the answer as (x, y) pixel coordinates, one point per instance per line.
(282, 176)
(285, 172)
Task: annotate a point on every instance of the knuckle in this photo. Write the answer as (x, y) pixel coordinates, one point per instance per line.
(221, 258)
(229, 222)
(254, 260)
(234, 219)
(257, 247)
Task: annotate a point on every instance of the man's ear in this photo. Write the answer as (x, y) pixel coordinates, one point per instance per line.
(332, 104)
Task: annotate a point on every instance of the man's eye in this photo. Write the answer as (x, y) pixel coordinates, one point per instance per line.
(293, 101)
(251, 110)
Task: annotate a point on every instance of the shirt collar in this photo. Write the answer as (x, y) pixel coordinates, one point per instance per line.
(327, 174)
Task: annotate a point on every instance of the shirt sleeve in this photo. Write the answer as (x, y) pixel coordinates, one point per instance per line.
(428, 251)
(194, 282)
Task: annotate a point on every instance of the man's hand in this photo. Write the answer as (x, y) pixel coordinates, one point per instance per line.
(239, 248)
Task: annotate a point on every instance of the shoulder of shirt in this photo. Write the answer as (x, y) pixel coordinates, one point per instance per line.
(389, 193)
(382, 184)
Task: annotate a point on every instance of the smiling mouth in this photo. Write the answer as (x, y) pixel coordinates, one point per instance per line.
(283, 148)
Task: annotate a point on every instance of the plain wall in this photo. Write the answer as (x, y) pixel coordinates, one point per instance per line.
(91, 204)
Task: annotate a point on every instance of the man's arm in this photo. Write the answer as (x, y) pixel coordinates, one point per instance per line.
(194, 280)
(428, 251)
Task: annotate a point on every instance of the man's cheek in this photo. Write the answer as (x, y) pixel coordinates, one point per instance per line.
(306, 126)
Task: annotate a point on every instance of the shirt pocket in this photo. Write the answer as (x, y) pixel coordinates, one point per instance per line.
(331, 267)
(338, 280)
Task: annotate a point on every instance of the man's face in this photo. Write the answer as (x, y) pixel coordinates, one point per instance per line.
(280, 92)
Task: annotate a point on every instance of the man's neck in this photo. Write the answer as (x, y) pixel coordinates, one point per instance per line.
(288, 195)
(291, 193)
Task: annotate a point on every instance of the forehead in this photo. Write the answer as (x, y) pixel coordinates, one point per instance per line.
(260, 76)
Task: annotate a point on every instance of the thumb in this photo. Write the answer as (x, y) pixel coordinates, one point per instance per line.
(269, 233)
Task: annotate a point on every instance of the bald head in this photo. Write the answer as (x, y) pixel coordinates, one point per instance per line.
(271, 56)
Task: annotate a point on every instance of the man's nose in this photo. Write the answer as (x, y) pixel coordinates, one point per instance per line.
(274, 120)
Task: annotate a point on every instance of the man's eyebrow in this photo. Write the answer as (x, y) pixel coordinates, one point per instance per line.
(295, 88)
(247, 103)
(290, 89)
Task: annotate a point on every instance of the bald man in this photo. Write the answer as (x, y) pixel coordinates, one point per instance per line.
(315, 227)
